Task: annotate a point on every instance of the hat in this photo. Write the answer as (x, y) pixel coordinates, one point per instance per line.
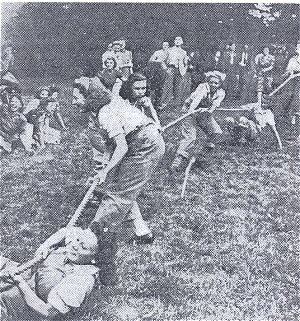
(216, 74)
(117, 42)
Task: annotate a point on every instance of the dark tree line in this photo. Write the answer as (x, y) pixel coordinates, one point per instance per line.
(52, 38)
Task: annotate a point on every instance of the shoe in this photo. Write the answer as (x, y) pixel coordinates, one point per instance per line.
(210, 146)
(143, 239)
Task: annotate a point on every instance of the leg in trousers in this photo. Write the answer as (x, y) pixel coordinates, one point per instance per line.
(168, 87)
(189, 133)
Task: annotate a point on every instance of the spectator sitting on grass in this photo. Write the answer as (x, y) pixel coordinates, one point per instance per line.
(40, 110)
(62, 281)
(13, 124)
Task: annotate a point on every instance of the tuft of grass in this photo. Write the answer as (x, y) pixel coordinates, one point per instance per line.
(228, 251)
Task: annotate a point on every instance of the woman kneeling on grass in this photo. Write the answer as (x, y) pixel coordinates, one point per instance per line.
(62, 281)
(131, 127)
(13, 124)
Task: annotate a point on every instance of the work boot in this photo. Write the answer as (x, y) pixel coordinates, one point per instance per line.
(210, 146)
(143, 239)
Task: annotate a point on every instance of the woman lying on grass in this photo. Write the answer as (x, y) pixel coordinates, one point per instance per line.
(62, 281)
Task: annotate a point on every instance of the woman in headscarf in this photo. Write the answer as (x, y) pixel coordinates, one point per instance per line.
(207, 95)
(130, 128)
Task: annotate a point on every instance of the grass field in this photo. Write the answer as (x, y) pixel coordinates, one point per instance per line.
(228, 251)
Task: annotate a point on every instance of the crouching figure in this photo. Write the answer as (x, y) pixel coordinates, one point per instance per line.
(13, 125)
(247, 129)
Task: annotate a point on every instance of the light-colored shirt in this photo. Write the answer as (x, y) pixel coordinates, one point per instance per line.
(124, 59)
(71, 291)
(160, 55)
(232, 56)
(293, 65)
(203, 94)
(244, 58)
(33, 104)
(121, 117)
(176, 56)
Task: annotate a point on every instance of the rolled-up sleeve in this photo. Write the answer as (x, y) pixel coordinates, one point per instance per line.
(109, 120)
(291, 66)
(200, 93)
(220, 97)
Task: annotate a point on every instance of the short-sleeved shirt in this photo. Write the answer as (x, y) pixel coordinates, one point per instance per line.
(160, 55)
(64, 284)
(203, 96)
(121, 117)
(176, 55)
(125, 58)
(33, 104)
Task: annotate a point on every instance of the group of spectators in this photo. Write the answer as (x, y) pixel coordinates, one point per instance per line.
(247, 72)
(126, 136)
(29, 124)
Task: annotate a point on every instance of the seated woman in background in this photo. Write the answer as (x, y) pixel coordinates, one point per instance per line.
(67, 275)
(109, 76)
(13, 124)
(39, 112)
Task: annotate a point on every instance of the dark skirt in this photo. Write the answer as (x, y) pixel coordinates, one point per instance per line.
(124, 183)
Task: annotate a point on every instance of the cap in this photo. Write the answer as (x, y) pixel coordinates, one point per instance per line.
(216, 74)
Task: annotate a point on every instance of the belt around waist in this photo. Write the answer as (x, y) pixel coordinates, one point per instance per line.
(138, 129)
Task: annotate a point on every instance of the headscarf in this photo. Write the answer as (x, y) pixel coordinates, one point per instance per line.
(216, 74)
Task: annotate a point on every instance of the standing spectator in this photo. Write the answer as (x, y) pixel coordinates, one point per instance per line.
(185, 86)
(161, 55)
(293, 67)
(177, 67)
(245, 74)
(213, 61)
(230, 67)
(156, 73)
(279, 66)
(125, 60)
(199, 68)
(264, 67)
(116, 53)
(7, 63)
